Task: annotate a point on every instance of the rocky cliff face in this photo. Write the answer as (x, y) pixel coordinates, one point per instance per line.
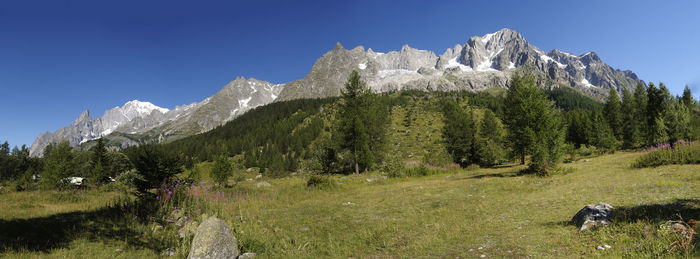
(160, 124)
(480, 63)
(86, 128)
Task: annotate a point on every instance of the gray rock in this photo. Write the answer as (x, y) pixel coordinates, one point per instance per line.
(169, 252)
(593, 215)
(246, 256)
(213, 239)
(189, 228)
(263, 184)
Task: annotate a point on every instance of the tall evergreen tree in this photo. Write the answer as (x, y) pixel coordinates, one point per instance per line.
(458, 133)
(490, 139)
(613, 115)
(362, 123)
(221, 169)
(99, 164)
(630, 127)
(657, 105)
(155, 163)
(677, 120)
(602, 136)
(579, 128)
(640, 112)
(687, 98)
(58, 164)
(534, 125)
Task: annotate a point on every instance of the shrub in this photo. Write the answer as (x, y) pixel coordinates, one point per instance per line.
(438, 157)
(320, 182)
(419, 171)
(664, 154)
(129, 178)
(393, 166)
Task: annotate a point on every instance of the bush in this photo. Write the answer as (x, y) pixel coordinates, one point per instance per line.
(419, 171)
(393, 166)
(128, 178)
(154, 163)
(665, 154)
(438, 157)
(320, 182)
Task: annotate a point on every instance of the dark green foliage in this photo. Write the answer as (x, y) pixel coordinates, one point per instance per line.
(155, 163)
(17, 164)
(100, 169)
(687, 98)
(221, 170)
(490, 139)
(275, 136)
(602, 135)
(567, 99)
(118, 163)
(640, 111)
(665, 155)
(613, 114)
(58, 164)
(677, 119)
(459, 133)
(631, 131)
(362, 123)
(580, 127)
(328, 160)
(657, 104)
(534, 125)
(321, 182)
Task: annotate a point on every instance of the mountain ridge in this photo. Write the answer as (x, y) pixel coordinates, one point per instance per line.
(480, 63)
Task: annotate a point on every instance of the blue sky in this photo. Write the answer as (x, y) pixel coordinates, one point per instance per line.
(58, 58)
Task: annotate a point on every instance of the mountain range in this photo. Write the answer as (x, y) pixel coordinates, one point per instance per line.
(480, 63)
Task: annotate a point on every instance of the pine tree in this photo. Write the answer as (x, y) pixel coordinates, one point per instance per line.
(362, 123)
(58, 164)
(221, 169)
(657, 105)
(458, 133)
(677, 120)
(490, 139)
(640, 113)
(99, 164)
(534, 125)
(603, 136)
(630, 132)
(613, 115)
(687, 98)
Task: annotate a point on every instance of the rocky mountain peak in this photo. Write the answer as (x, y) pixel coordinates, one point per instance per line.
(338, 46)
(84, 117)
(590, 57)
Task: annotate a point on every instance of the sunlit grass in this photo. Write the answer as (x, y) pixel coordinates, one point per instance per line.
(455, 213)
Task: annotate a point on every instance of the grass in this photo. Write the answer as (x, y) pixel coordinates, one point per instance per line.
(455, 213)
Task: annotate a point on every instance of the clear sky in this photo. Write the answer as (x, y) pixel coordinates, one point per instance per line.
(58, 58)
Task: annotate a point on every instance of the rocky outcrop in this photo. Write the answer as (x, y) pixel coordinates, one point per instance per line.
(213, 239)
(593, 215)
(482, 62)
(138, 121)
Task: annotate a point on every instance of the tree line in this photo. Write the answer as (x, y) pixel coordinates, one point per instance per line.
(349, 134)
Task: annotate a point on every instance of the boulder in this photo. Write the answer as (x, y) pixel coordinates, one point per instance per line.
(189, 228)
(593, 215)
(246, 256)
(213, 239)
(263, 184)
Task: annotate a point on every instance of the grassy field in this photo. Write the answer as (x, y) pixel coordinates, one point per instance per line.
(455, 213)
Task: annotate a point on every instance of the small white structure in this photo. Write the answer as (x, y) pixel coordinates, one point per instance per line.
(78, 181)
